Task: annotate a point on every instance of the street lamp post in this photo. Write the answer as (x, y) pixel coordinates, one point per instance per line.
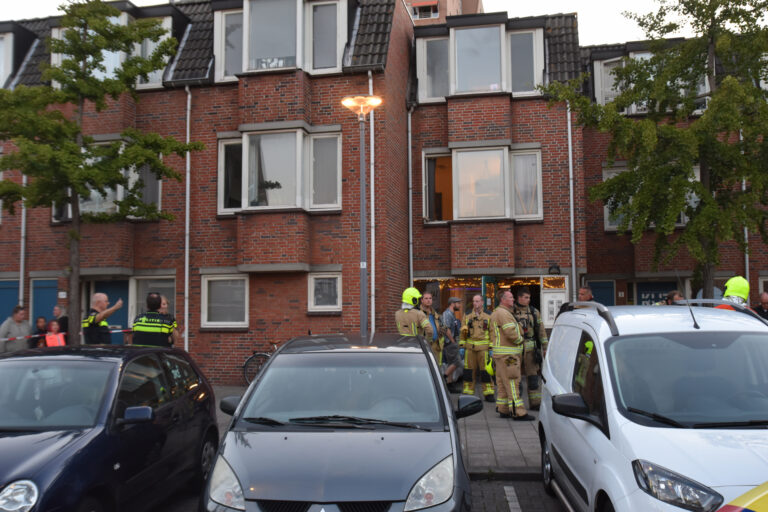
(361, 105)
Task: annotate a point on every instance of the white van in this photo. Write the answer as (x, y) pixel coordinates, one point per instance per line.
(648, 408)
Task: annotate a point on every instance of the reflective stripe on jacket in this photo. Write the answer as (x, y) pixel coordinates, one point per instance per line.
(505, 333)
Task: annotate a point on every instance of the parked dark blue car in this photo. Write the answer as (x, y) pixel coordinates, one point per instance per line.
(334, 424)
(91, 429)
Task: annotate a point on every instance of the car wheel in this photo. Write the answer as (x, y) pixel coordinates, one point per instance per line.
(90, 504)
(205, 458)
(607, 506)
(546, 468)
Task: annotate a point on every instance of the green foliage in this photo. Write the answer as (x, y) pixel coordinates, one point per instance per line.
(683, 160)
(50, 148)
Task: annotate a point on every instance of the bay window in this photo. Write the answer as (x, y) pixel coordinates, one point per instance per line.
(479, 185)
(272, 177)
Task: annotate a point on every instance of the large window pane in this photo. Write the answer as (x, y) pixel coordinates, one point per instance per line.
(233, 176)
(226, 300)
(480, 183)
(323, 36)
(272, 169)
(110, 60)
(608, 83)
(325, 167)
(525, 169)
(150, 189)
(326, 292)
(96, 203)
(146, 50)
(478, 59)
(521, 51)
(437, 68)
(272, 34)
(233, 43)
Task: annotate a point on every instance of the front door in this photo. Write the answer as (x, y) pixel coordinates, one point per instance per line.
(44, 293)
(119, 319)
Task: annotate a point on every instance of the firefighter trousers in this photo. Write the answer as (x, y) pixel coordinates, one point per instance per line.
(437, 350)
(475, 359)
(532, 381)
(508, 399)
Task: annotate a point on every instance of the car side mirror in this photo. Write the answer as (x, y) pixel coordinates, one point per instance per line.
(133, 415)
(572, 405)
(228, 404)
(468, 405)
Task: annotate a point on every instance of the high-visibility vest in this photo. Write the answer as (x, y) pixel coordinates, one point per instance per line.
(54, 340)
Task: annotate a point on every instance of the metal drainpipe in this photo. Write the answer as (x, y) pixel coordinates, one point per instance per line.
(23, 251)
(373, 213)
(410, 201)
(746, 232)
(570, 194)
(186, 223)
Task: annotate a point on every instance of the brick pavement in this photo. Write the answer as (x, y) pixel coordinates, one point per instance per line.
(512, 496)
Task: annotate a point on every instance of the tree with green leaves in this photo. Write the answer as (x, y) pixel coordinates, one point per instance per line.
(62, 164)
(704, 109)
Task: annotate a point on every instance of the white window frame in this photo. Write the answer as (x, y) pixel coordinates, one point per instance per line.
(6, 59)
(167, 23)
(505, 185)
(454, 69)
(299, 202)
(599, 71)
(341, 36)
(247, 31)
(421, 68)
(512, 199)
(309, 159)
(311, 306)
(425, 192)
(219, 29)
(538, 62)
(205, 279)
(133, 291)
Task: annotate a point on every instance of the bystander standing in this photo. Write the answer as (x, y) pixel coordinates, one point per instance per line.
(16, 327)
(762, 308)
(61, 317)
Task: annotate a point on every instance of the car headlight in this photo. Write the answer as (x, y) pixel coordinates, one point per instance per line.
(668, 486)
(435, 487)
(224, 488)
(19, 496)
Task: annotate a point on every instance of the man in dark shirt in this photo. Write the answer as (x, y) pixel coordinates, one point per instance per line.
(762, 308)
(95, 326)
(61, 317)
(153, 327)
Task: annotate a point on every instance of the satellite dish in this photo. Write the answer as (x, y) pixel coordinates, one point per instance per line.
(717, 292)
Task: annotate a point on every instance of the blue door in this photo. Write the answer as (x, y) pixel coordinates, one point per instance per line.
(603, 292)
(119, 319)
(44, 292)
(9, 298)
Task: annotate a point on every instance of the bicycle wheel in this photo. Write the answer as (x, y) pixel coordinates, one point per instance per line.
(252, 366)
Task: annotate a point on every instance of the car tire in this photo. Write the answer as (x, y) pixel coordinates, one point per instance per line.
(205, 456)
(606, 506)
(546, 468)
(90, 504)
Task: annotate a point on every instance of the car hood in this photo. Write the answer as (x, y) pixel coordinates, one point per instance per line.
(25, 454)
(723, 457)
(323, 467)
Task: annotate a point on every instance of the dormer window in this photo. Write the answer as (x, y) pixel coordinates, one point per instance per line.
(6, 57)
(424, 10)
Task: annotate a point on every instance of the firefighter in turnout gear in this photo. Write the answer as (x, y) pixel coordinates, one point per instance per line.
(410, 320)
(475, 338)
(437, 336)
(535, 345)
(507, 346)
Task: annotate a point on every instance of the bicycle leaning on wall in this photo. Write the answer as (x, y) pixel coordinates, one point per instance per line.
(253, 364)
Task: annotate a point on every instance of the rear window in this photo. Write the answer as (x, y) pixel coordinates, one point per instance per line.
(384, 386)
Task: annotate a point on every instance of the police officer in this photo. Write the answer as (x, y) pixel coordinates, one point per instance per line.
(95, 326)
(153, 327)
(410, 320)
(507, 346)
(476, 340)
(535, 345)
(437, 338)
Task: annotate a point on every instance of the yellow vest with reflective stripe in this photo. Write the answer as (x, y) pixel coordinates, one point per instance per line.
(505, 333)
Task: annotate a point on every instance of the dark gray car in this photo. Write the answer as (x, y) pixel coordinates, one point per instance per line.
(335, 425)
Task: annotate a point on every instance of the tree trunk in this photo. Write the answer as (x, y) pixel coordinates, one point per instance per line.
(708, 280)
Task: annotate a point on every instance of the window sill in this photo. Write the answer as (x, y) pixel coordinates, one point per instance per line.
(530, 221)
(150, 87)
(323, 313)
(334, 211)
(432, 101)
(480, 221)
(436, 223)
(261, 211)
(226, 80)
(257, 72)
(480, 94)
(223, 329)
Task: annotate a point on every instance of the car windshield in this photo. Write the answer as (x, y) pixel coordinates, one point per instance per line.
(392, 387)
(697, 380)
(51, 395)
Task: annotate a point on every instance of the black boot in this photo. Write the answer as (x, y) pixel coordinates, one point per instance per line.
(525, 417)
(489, 398)
(505, 415)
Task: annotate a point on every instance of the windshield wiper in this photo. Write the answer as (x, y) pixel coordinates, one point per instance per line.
(356, 420)
(262, 420)
(718, 424)
(657, 417)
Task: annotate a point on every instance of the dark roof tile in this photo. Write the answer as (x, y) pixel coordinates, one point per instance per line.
(30, 72)
(195, 58)
(371, 42)
(563, 58)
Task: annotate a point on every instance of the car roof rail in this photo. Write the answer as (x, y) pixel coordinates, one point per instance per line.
(601, 310)
(736, 307)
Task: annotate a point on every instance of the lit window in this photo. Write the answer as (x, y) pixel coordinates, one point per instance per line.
(438, 188)
(224, 301)
(324, 292)
(478, 59)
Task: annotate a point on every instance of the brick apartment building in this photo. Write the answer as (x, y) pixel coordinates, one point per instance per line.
(477, 183)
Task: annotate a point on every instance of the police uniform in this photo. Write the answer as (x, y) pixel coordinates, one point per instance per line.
(95, 333)
(153, 328)
(532, 326)
(476, 341)
(507, 346)
(436, 340)
(413, 322)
